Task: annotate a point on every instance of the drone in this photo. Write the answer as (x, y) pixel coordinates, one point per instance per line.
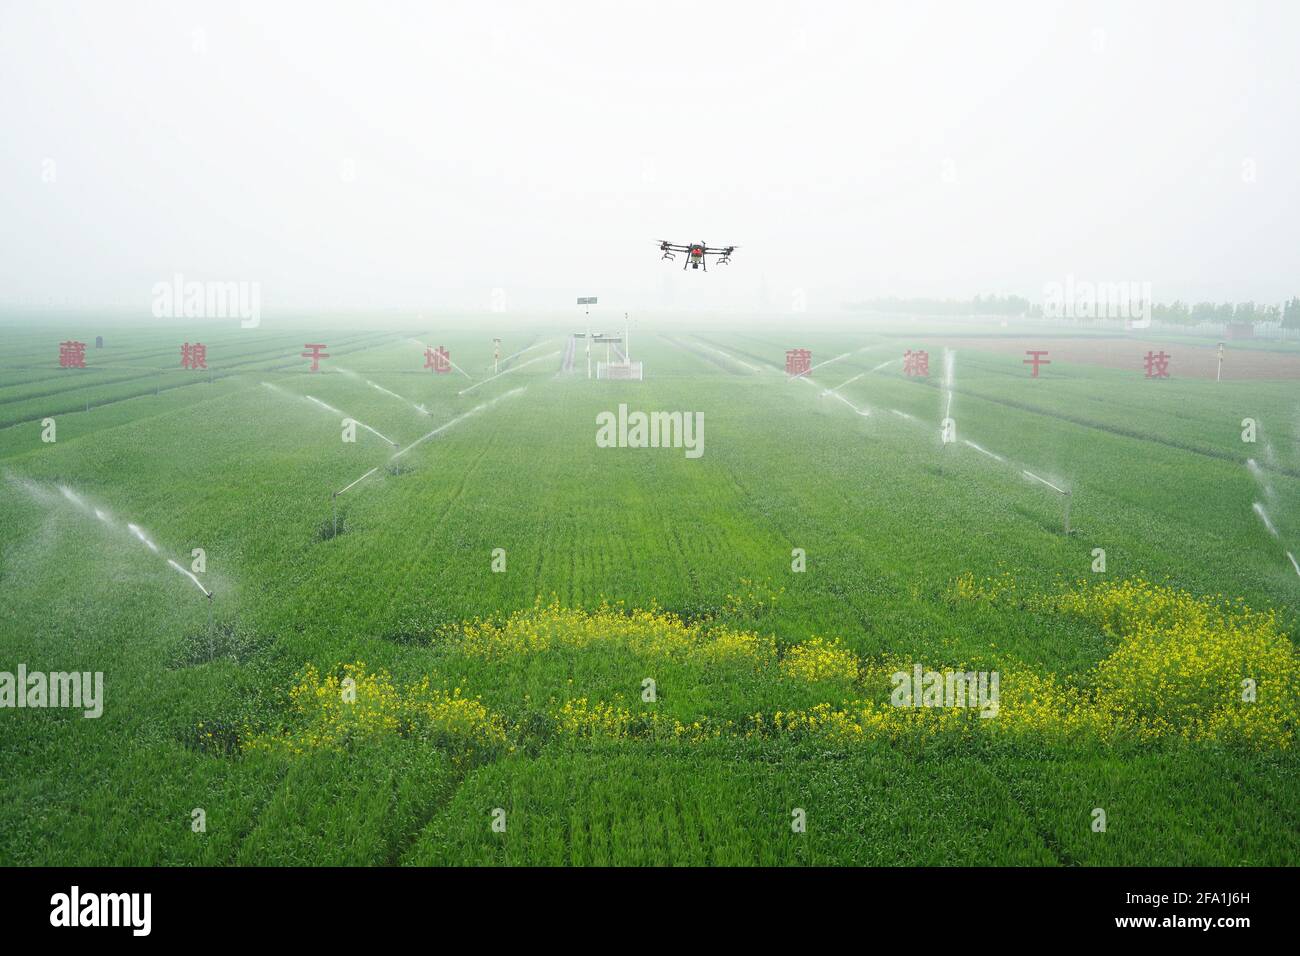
(697, 253)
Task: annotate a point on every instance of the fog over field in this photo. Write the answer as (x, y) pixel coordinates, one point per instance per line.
(424, 155)
(400, 468)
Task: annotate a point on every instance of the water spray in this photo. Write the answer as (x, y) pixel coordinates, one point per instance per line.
(1068, 496)
(335, 496)
(1258, 508)
(207, 594)
(349, 418)
(540, 358)
(983, 451)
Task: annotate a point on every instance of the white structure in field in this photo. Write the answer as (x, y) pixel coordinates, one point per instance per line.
(626, 371)
(622, 370)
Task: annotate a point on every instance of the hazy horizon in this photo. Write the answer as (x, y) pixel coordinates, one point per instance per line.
(473, 156)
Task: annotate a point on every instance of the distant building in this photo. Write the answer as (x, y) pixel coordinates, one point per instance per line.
(99, 341)
(1240, 330)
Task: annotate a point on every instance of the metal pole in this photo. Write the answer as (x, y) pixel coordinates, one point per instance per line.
(211, 634)
(334, 503)
(1069, 496)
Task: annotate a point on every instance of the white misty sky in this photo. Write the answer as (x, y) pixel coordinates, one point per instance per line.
(849, 149)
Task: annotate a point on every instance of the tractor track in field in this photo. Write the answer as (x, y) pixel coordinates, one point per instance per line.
(452, 499)
(402, 843)
(834, 587)
(1117, 430)
(1088, 423)
(1050, 843)
(131, 421)
(730, 348)
(702, 356)
(255, 820)
(86, 406)
(147, 372)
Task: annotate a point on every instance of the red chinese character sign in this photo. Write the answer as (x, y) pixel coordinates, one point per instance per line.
(1157, 363)
(438, 359)
(916, 364)
(1036, 358)
(194, 356)
(315, 355)
(72, 355)
(798, 362)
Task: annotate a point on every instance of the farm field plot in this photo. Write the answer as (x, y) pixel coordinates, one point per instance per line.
(642, 655)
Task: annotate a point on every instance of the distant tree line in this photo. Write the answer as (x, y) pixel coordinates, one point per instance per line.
(1175, 313)
(1224, 313)
(980, 305)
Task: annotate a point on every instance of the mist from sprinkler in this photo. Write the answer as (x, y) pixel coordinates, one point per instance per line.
(460, 418)
(529, 349)
(513, 368)
(379, 388)
(135, 530)
(949, 373)
(831, 391)
(144, 538)
(334, 496)
(190, 574)
(983, 451)
(732, 358)
(449, 361)
(419, 408)
(348, 418)
(1258, 508)
(1068, 496)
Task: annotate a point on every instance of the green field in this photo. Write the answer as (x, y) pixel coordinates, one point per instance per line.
(627, 564)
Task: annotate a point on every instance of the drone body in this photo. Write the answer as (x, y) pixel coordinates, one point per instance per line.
(697, 253)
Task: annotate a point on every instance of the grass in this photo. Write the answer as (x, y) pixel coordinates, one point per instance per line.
(888, 521)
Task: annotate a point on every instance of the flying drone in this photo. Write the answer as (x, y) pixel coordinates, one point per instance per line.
(697, 253)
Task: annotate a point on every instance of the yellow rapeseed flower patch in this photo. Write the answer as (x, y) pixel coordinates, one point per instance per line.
(818, 660)
(647, 633)
(1201, 668)
(356, 705)
(1182, 668)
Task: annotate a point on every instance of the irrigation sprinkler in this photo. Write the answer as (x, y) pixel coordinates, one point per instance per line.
(198, 584)
(1067, 495)
(947, 436)
(1218, 375)
(588, 301)
(334, 496)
